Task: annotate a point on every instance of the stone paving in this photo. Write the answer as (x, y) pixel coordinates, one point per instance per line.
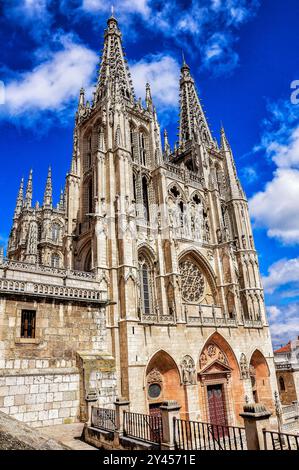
(67, 434)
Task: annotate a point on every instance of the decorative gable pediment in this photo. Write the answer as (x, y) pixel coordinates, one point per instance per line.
(216, 367)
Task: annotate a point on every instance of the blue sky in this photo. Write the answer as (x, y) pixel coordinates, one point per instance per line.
(244, 57)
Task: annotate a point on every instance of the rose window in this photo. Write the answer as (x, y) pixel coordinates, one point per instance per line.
(193, 282)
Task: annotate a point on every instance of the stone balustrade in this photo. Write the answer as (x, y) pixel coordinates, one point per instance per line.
(42, 269)
(47, 290)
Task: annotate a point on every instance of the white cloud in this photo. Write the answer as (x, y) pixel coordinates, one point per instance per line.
(273, 311)
(249, 173)
(26, 12)
(218, 55)
(120, 6)
(281, 273)
(208, 26)
(282, 331)
(276, 207)
(284, 322)
(51, 85)
(162, 73)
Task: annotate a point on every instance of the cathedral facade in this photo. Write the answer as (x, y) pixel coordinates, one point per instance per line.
(143, 282)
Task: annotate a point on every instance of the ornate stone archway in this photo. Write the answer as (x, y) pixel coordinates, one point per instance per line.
(163, 382)
(219, 382)
(260, 379)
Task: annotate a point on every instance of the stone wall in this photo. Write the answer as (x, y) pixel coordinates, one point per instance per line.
(41, 380)
(39, 396)
(288, 395)
(177, 341)
(62, 328)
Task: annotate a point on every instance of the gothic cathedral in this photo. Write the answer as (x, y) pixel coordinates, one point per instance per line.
(143, 282)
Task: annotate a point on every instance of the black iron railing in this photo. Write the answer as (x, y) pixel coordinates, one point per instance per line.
(274, 440)
(196, 435)
(144, 427)
(103, 418)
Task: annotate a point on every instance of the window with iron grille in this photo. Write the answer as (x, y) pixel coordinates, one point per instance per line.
(28, 324)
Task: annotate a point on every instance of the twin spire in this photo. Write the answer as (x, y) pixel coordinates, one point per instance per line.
(26, 202)
(193, 123)
(114, 75)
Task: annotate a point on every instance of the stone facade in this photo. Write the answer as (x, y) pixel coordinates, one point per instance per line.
(42, 379)
(287, 370)
(157, 249)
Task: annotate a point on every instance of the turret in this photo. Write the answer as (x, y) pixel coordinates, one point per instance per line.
(20, 198)
(166, 144)
(28, 195)
(148, 98)
(48, 190)
(233, 180)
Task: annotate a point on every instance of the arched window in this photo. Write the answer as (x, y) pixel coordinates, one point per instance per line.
(145, 198)
(142, 147)
(132, 142)
(90, 197)
(55, 260)
(282, 384)
(181, 206)
(192, 281)
(87, 152)
(39, 231)
(134, 188)
(146, 288)
(55, 232)
(87, 263)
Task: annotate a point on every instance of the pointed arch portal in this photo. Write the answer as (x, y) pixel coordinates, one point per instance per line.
(163, 382)
(221, 392)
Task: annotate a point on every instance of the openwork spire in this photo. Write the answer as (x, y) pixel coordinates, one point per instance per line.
(114, 75)
(20, 198)
(28, 195)
(193, 124)
(48, 190)
(233, 180)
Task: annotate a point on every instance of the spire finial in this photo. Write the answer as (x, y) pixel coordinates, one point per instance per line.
(28, 195)
(48, 190)
(148, 97)
(20, 197)
(112, 11)
(184, 63)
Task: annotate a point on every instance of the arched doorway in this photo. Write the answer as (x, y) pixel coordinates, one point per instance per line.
(221, 392)
(163, 382)
(260, 379)
(87, 262)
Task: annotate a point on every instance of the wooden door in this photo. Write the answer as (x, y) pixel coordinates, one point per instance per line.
(216, 405)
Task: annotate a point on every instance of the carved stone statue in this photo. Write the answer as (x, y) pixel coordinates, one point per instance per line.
(188, 370)
(244, 367)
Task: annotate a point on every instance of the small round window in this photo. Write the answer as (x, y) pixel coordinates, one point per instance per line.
(154, 390)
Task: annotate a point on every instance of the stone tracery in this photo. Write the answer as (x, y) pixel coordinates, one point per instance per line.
(192, 281)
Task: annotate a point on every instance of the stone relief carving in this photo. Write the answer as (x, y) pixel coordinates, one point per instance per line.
(154, 377)
(188, 370)
(211, 353)
(244, 367)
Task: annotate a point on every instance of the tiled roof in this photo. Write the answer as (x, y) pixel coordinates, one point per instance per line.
(285, 348)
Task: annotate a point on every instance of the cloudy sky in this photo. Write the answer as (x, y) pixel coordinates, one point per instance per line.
(244, 57)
